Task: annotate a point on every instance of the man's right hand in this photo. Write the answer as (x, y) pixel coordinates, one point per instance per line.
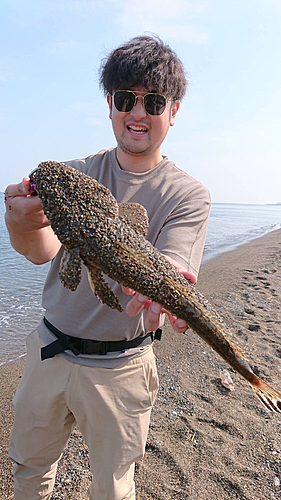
(30, 232)
(23, 209)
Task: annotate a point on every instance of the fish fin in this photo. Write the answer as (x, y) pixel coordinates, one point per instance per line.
(136, 216)
(269, 397)
(101, 288)
(70, 269)
(233, 343)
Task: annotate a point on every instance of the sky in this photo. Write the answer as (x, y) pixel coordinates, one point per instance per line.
(227, 131)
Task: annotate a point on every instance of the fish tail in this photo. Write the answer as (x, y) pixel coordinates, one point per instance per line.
(268, 396)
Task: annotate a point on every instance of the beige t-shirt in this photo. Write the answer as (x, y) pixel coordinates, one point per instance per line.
(178, 210)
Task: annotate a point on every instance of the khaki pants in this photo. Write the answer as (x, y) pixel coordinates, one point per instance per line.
(111, 407)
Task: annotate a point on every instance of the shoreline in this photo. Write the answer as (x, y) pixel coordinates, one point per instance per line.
(208, 442)
(214, 254)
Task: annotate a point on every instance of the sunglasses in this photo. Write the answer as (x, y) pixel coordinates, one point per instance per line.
(125, 101)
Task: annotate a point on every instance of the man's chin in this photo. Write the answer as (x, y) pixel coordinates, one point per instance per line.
(134, 151)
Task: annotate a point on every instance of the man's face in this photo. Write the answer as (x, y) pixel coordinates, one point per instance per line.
(138, 133)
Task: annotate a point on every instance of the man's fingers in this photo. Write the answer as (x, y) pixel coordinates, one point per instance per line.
(154, 310)
(137, 304)
(188, 275)
(128, 291)
(153, 316)
(179, 325)
(20, 189)
(24, 204)
(22, 208)
(154, 313)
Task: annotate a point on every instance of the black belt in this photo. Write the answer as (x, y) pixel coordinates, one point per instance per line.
(88, 346)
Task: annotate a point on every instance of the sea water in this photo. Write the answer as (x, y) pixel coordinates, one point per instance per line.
(233, 224)
(21, 282)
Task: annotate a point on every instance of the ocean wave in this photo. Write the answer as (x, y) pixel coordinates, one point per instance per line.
(10, 360)
(225, 244)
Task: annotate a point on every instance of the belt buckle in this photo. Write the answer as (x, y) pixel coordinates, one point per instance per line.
(93, 347)
(103, 348)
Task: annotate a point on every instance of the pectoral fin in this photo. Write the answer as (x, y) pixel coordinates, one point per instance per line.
(136, 216)
(101, 289)
(70, 269)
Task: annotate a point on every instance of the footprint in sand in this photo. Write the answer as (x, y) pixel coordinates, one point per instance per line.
(253, 327)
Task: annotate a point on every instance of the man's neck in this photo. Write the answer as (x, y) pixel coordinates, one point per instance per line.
(137, 164)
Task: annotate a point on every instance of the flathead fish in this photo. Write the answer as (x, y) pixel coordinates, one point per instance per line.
(110, 238)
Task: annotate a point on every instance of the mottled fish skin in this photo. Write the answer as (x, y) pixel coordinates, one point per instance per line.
(86, 216)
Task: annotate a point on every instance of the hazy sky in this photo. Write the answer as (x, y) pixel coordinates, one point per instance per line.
(227, 131)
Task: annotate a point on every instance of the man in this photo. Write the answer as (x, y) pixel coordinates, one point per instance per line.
(109, 396)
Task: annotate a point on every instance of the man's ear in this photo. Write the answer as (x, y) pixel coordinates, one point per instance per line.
(174, 109)
(109, 102)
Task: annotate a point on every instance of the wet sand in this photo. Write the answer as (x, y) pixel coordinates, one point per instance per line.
(205, 442)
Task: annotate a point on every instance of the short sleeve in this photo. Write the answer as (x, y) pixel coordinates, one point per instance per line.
(183, 235)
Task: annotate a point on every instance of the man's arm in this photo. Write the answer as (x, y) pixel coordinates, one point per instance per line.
(30, 232)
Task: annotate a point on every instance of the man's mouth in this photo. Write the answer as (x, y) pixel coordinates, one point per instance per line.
(137, 129)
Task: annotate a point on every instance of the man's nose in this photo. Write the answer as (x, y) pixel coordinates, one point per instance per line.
(138, 110)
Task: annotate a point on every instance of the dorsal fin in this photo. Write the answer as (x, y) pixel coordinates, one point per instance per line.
(136, 216)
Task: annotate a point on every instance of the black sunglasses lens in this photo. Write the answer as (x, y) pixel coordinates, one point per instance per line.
(124, 101)
(154, 104)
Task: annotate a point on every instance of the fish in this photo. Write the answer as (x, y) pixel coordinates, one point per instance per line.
(110, 239)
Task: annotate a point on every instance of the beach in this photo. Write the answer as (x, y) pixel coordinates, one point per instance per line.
(205, 441)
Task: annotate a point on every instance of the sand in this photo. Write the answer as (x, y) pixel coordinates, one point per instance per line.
(205, 442)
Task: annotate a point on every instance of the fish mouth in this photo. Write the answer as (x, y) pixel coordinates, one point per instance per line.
(32, 176)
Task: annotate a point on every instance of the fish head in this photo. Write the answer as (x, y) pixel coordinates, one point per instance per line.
(73, 202)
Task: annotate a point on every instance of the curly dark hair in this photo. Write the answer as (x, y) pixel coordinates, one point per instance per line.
(144, 61)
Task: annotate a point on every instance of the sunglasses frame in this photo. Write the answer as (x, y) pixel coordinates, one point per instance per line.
(142, 97)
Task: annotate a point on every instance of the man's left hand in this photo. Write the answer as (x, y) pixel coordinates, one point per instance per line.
(155, 311)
